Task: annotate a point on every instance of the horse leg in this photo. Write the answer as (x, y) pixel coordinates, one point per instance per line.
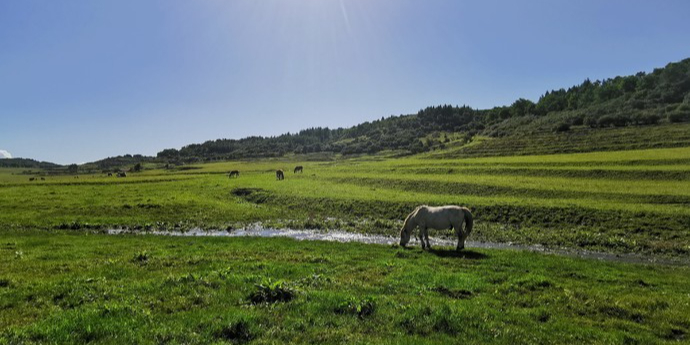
(459, 231)
(421, 236)
(462, 236)
(426, 238)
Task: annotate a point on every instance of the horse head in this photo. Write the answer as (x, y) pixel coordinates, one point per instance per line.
(407, 227)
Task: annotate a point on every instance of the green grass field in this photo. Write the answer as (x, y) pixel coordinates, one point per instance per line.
(64, 281)
(621, 201)
(79, 287)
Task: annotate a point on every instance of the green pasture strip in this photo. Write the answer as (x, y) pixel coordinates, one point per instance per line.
(672, 173)
(85, 180)
(268, 166)
(195, 201)
(637, 187)
(388, 192)
(619, 157)
(78, 287)
(579, 139)
(462, 188)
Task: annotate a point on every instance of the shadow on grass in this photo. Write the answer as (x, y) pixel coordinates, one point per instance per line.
(452, 253)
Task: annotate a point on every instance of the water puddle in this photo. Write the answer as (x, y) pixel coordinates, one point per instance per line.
(343, 236)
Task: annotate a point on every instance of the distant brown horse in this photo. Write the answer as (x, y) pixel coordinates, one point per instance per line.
(298, 169)
(234, 173)
(280, 175)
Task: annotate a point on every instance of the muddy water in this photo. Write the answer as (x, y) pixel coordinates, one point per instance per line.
(342, 236)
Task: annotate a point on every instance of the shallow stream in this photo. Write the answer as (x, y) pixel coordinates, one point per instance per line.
(343, 236)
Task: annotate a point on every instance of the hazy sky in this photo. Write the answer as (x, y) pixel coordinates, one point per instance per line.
(84, 80)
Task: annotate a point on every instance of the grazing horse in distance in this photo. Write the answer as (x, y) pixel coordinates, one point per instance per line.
(31, 178)
(439, 218)
(280, 175)
(298, 169)
(110, 174)
(122, 174)
(234, 173)
(43, 178)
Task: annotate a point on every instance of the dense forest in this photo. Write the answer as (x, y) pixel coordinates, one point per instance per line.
(641, 99)
(26, 163)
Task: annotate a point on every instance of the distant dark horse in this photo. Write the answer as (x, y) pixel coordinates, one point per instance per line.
(122, 174)
(110, 174)
(234, 173)
(298, 169)
(280, 175)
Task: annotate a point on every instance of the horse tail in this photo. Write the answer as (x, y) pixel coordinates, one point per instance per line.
(469, 221)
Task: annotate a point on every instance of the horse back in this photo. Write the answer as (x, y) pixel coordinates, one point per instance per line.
(442, 216)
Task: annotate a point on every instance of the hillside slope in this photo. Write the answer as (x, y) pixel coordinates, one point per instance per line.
(638, 102)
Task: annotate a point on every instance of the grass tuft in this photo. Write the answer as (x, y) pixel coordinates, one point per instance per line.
(360, 307)
(272, 292)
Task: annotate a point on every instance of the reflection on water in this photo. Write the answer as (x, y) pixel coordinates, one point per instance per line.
(343, 236)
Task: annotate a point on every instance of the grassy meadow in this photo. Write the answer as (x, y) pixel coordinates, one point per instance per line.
(63, 281)
(78, 287)
(622, 201)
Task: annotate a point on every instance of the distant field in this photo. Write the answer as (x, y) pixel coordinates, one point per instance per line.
(78, 287)
(619, 201)
(578, 139)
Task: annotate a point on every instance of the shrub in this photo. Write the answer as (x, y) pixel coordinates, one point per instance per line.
(578, 120)
(590, 121)
(646, 119)
(562, 127)
(616, 120)
(678, 117)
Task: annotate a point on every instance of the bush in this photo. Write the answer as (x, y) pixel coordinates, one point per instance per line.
(590, 121)
(646, 119)
(678, 116)
(616, 120)
(636, 104)
(578, 120)
(562, 127)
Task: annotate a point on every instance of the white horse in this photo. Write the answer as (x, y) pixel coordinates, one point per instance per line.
(439, 218)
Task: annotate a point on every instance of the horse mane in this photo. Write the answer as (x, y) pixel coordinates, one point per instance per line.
(410, 216)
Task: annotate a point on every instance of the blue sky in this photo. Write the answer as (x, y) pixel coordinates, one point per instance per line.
(84, 80)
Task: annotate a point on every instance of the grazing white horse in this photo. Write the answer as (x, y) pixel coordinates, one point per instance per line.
(439, 218)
